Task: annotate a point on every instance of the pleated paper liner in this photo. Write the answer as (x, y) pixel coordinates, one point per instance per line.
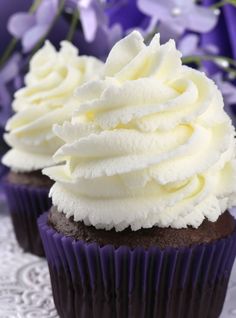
(90, 281)
(26, 204)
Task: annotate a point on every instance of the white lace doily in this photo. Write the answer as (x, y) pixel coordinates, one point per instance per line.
(25, 290)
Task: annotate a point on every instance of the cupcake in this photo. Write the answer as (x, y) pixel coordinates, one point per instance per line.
(43, 101)
(140, 225)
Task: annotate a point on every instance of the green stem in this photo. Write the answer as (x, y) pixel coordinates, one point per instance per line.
(75, 18)
(35, 6)
(222, 3)
(11, 46)
(218, 4)
(150, 35)
(230, 71)
(8, 51)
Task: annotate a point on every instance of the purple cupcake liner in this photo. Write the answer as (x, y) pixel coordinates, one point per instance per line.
(91, 281)
(26, 204)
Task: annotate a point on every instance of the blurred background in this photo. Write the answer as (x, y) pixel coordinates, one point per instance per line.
(205, 33)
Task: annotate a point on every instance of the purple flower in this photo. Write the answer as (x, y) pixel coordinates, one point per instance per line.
(189, 44)
(92, 16)
(174, 17)
(109, 16)
(31, 27)
(223, 35)
(228, 91)
(99, 35)
(9, 74)
(7, 8)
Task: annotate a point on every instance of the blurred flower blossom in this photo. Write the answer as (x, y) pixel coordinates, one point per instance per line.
(227, 88)
(9, 73)
(228, 91)
(31, 27)
(223, 35)
(7, 8)
(98, 30)
(176, 16)
(92, 16)
(189, 44)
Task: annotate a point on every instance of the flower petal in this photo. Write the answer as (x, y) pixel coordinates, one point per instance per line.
(5, 102)
(155, 8)
(19, 23)
(188, 44)
(89, 23)
(170, 30)
(84, 3)
(114, 34)
(200, 19)
(32, 37)
(227, 89)
(47, 11)
(11, 68)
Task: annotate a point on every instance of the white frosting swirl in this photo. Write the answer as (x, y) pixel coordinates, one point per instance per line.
(50, 83)
(149, 145)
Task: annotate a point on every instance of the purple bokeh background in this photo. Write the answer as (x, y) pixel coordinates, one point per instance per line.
(223, 36)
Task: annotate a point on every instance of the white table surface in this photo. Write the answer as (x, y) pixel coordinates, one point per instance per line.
(25, 290)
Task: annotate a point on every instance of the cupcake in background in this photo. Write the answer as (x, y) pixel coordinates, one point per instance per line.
(50, 83)
(140, 225)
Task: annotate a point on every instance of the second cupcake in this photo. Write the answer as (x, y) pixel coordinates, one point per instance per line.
(50, 83)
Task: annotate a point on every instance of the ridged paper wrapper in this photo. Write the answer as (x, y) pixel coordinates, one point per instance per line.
(91, 281)
(26, 204)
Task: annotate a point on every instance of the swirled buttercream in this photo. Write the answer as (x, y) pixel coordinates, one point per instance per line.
(149, 145)
(50, 83)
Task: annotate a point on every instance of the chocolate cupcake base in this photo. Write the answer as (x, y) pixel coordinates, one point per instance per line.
(91, 280)
(155, 236)
(27, 198)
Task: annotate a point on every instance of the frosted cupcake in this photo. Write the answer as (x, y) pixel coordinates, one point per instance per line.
(49, 85)
(140, 224)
